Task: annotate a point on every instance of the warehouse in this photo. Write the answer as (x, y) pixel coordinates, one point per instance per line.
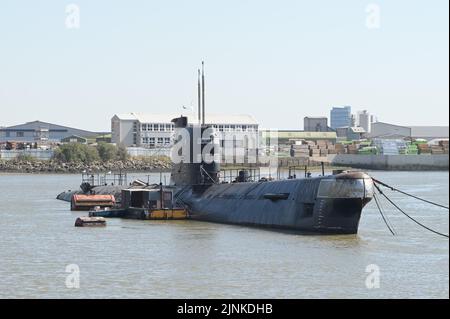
(41, 132)
(391, 131)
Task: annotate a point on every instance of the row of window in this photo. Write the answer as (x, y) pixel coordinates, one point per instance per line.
(160, 141)
(157, 127)
(18, 134)
(236, 128)
(221, 128)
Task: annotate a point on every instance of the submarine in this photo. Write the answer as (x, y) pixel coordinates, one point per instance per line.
(326, 204)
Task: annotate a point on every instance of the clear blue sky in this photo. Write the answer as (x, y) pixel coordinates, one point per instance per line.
(277, 60)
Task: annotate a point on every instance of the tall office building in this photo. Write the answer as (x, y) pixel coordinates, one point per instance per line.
(341, 117)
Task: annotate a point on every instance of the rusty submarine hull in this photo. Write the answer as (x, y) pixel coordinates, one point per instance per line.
(327, 205)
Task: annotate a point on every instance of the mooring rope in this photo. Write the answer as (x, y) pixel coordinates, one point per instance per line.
(382, 215)
(404, 213)
(410, 195)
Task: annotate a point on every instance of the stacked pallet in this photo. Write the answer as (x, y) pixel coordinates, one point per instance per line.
(315, 152)
(412, 149)
(331, 149)
(444, 145)
(424, 148)
(390, 147)
(352, 149)
(437, 150)
(301, 150)
(305, 149)
(340, 149)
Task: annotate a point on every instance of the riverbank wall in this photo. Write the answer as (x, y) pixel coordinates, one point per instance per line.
(392, 162)
(52, 166)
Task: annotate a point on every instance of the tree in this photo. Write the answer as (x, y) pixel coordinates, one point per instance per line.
(76, 153)
(107, 152)
(122, 153)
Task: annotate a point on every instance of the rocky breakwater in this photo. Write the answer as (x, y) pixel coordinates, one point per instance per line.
(53, 166)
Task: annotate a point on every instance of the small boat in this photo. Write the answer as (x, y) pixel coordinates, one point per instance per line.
(90, 222)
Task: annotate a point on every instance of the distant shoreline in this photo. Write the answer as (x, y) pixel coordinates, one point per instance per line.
(164, 165)
(151, 165)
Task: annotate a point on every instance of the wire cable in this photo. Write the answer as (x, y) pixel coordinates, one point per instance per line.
(382, 215)
(404, 213)
(410, 195)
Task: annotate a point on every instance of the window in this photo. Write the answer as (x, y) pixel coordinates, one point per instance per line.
(167, 141)
(145, 140)
(221, 128)
(162, 127)
(239, 128)
(232, 128)
(244, 128)
(20, 134)
(227, 128)
(144, 127)
(8, 134)
(156, 127)
(168, 127)
(151, 141)
(160, 140)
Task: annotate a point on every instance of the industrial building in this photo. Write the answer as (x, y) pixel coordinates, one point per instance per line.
(351, 133)
(316, 124)
(392, 131)
(41, 132)
(364, 120)
(341, 117)
(156, 130)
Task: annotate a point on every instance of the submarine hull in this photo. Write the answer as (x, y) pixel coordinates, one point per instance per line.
(329, 205)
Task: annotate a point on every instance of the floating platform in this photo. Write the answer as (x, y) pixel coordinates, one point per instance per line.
(142, 214)
(157, 214)
(108, 213)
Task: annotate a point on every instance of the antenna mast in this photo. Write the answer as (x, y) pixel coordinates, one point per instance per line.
(199, 99)
(203, 92)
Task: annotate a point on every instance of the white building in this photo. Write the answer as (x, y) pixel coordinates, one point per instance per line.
(364, 120)
(156, 130)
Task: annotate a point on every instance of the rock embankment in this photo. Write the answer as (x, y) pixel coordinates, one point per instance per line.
(53, 166)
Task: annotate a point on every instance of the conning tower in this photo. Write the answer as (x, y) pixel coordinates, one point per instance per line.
(196, 153)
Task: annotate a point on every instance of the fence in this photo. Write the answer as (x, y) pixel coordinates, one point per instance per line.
(148, 152)
(43, 155)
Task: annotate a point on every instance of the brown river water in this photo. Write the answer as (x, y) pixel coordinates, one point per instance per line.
(186, 259)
